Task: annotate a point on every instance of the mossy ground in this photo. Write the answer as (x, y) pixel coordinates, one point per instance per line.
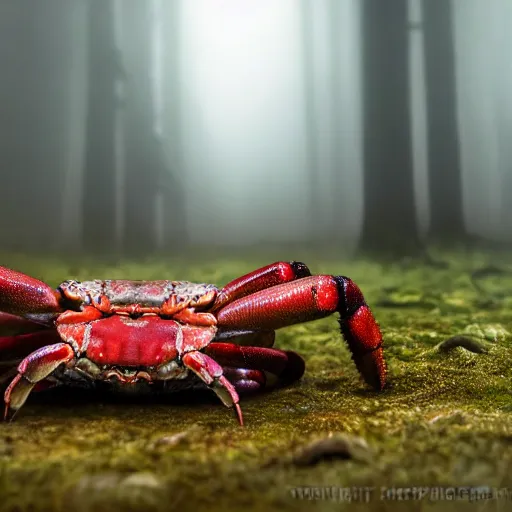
(444, 419)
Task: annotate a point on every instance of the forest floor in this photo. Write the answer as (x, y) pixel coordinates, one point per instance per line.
(443, 421)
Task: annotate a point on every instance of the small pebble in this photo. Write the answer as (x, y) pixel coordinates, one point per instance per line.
(470, 344)
(142, 479)
(339, 446)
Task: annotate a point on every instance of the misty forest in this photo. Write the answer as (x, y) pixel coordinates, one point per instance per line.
(132, 126)
(201, 140)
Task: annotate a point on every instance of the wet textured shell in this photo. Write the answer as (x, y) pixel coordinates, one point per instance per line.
(145, 293)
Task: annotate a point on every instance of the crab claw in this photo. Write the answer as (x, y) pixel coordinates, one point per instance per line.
(11, 325)
(310, 298)
(364, 340)
(25, 296)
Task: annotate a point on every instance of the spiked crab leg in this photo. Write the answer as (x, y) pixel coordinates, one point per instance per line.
(27, 310)
(227, 368)
(24, 295)
(13, 324)
(287, 366)
(265, 277)
(21, 345)
(212, 374)
(32, 370)
(311, 298)
(245, 380)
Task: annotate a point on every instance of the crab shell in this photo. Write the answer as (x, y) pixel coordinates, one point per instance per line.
(137, 333)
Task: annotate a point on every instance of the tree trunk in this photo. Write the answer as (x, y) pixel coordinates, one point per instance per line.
(173, 176)
(35, 60)
(446, 209)
(310, 120)
(389, 227)
(139, 179)
(99, 209)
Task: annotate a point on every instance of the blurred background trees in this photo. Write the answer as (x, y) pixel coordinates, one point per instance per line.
(130, 127)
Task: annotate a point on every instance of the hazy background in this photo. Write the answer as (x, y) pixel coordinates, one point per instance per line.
(130, 126)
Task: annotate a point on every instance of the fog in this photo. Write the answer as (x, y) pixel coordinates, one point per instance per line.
(133, 127)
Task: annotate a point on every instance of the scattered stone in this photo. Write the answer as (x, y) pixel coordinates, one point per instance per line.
(136, 491)
(465, 342)
(145, 480)
(170, 441)
(340, 446)
(452, 418)
(173, 440)
(330, 448)
(99, 483)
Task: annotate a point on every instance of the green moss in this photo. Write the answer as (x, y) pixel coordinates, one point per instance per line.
(443, 420)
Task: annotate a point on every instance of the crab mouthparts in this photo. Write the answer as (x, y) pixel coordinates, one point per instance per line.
(127, 375)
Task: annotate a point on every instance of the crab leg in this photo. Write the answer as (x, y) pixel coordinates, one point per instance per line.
(21, 294)
(311, 298)
(265, 277)
(18, 347)
(245, 380)
(33, 369)
(287, 366)
(247, 338)
(211, 373)
(12, 324)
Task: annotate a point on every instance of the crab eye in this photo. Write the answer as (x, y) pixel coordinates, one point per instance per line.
(71, 291)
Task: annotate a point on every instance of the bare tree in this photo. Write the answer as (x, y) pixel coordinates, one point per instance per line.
(310, 125)
(446, 211)
(34, 60)
(173, 168)
(390, 226)
(99, 209)
(153, 205)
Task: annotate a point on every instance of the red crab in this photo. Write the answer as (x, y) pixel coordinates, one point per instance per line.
(175, 334)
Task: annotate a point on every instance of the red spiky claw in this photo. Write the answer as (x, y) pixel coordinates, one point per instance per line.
(212, 374)
(26, 296)
(32, 370)
(310, 298)
(13, 324)
(230, 369)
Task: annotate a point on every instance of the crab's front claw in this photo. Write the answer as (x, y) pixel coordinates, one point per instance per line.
(311, 298)
(25, 296)
(364, 339)
(11, 325)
